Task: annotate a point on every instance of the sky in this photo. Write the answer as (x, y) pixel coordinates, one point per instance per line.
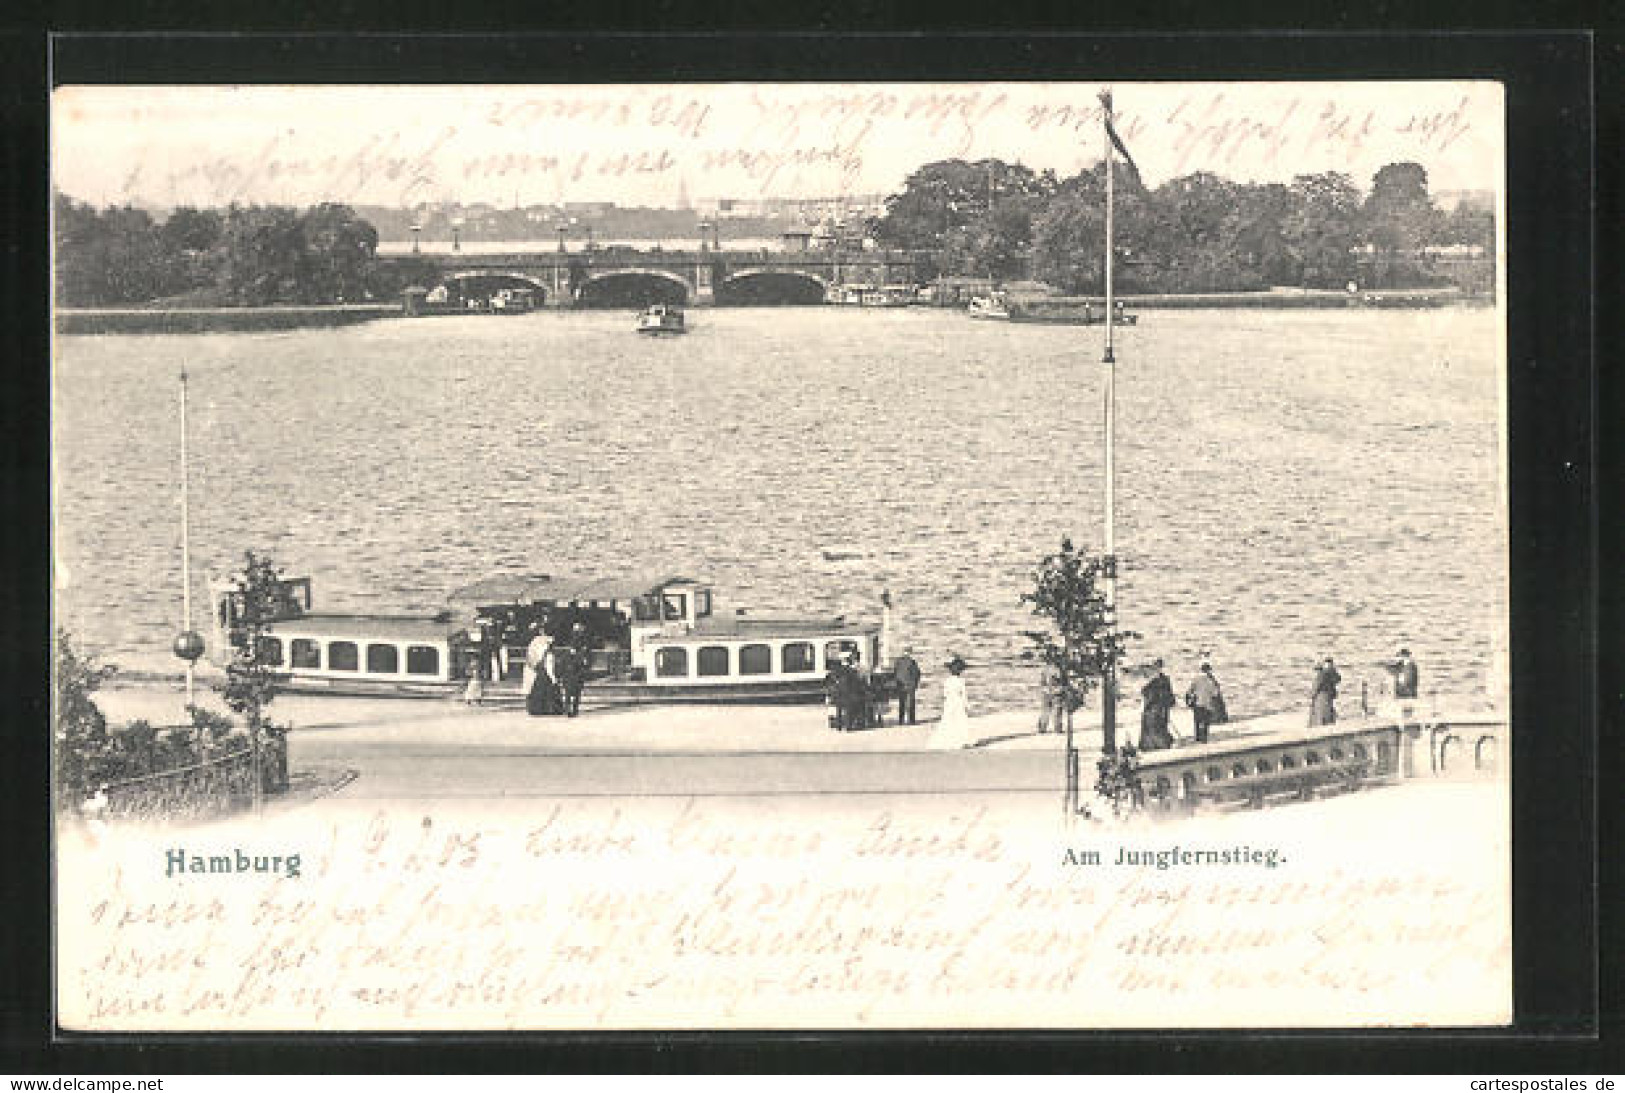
(657, 144)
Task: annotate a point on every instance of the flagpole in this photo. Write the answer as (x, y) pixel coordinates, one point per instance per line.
(1108, 689)
(186, 545)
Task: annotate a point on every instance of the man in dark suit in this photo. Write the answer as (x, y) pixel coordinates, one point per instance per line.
(855, 702)
(907, 671)
(571, 668)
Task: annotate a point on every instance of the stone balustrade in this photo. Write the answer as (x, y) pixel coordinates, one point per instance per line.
(1251, 769)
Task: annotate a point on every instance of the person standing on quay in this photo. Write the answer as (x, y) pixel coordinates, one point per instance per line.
(1323, 699)
(1158, 699)
(1054, 708)
(572, 675)
(1405, 674)
(535, 649)
(907, 671)
(1206, 700)
(953, 729)
(856, 701)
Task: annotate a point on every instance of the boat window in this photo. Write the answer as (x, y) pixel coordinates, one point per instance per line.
(383, 659)
(270, 651)
(306, 653)
(343, 656)
(713, 660)
(798, 657)
(422, 660)
(645, 609)
(755, 660)
(702, 603)
(837, 650)
(673, 606)
(671, 661)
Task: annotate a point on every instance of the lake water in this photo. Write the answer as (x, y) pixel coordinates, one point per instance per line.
(1289, 483)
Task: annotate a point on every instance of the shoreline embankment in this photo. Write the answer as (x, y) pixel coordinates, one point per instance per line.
(1290, 298)
(208, 320)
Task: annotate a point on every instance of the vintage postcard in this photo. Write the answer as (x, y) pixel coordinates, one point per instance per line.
(780, 556)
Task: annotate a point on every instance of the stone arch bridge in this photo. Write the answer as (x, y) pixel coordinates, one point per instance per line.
(623, 276)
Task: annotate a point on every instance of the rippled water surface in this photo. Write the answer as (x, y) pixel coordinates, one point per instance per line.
(1288, 482)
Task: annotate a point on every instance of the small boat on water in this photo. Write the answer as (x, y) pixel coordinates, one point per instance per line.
(662, 319)
(888, 296)
(645, 640)
(513, 301)
(987, 307)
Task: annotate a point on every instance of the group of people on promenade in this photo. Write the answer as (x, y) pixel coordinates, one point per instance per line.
(1403, 679)
(852, 699)
(1205, 698)
(555, 669)
(555, 672)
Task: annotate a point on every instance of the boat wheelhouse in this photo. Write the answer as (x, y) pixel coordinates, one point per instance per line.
(662, 319)
(662, 639)
(644, 640)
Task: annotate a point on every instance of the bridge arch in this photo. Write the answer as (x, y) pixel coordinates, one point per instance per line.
(761, 286)
(468, 284)
(632, 287)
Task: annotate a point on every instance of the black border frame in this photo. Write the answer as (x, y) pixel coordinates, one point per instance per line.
(1557, 393)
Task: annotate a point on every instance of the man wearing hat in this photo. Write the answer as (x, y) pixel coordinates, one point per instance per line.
(1206, 701)
(1405, 675)
(907, 671)
(1402, 673)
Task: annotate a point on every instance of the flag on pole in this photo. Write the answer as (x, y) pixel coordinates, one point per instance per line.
(1117, 141)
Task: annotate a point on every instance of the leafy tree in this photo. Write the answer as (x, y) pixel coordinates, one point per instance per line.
(192, 230)
(1078, 639)
(1323, 228)
(263, 256)
(978, 217)
(1069, 235)
(1261, 241)
(338, 251)
(1400, 219)
(111, 257)
(81, 728)
(259, 598)
(1469, 225)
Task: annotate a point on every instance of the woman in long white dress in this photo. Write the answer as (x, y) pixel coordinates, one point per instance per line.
(953, 730)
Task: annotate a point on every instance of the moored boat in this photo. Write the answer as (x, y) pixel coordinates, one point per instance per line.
(662, 319)
(987, 307)
(1067, 310)
(644, 640)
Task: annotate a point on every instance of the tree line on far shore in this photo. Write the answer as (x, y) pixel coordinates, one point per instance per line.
(987, 219)
(1195, 233)
(238, 256)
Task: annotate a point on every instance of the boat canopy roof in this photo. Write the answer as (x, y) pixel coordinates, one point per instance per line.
(546, 590)
(366, 627)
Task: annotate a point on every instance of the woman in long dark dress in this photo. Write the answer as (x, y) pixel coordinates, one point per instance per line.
(1323, 699)
(1158, 699)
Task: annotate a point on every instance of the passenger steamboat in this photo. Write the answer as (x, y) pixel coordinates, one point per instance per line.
(662, 319)
(646, 640)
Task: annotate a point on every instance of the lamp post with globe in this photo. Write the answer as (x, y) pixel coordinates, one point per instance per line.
(188, 643)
